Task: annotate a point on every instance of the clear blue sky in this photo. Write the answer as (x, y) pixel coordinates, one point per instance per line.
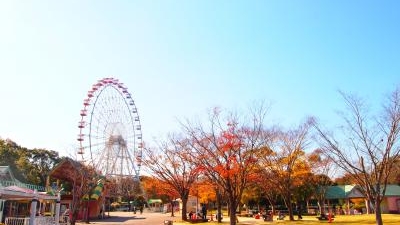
(181, 58)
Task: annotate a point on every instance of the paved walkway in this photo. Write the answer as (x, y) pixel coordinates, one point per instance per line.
(126, 218)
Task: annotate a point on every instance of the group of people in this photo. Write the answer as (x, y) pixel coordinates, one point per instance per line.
(202, 215)
(268, 215)
(134, 209)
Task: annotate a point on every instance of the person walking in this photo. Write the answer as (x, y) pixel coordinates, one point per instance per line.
(204, 212)
(299, 217)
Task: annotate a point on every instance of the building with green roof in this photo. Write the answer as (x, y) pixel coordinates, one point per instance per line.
(347, 193)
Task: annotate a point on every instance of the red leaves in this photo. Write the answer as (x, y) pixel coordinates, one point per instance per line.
(229, 141)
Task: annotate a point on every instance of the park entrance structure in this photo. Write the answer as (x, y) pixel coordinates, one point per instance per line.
(110, 135)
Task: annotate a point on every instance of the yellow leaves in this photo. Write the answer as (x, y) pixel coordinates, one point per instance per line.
(205, 191)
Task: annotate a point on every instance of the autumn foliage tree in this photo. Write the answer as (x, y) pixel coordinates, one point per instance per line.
(226, 153)
(205, 190)
(169, 164)
(156, 188)
(284, 162)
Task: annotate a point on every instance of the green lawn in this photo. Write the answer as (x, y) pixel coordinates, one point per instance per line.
(388, 219)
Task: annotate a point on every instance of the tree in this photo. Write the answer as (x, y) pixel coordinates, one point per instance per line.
(369, 147)
(38, 164)
(126, 187)
(9, 155)
(155, 188)
(345, 179)
(271, 194)
(304, 191)
(226, 153)
(322, 168)
(252, 194)
(394, 176)
(205, 190)
(284, 160)
(28, 165)
(263, 185)
(81, 180)
(169, 164)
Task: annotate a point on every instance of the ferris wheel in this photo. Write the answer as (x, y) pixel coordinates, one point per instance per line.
(110, 134)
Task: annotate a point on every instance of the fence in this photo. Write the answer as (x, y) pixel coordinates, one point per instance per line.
(7, 183)
(64, 220)
(17, 221)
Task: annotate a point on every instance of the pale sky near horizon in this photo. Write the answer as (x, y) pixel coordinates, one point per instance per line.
(181, 58)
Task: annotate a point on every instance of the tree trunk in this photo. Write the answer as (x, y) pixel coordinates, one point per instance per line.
(232, 213)
(74, 209)
(289, 206)
(378, 211)
(87, 220)
(172, 208)
(73, 216)
(368, 206)
(321, 206)
(219, 206)
(184, 206)
(290, 209)
(272, 204)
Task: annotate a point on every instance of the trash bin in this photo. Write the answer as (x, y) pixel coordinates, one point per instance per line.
(168, 222)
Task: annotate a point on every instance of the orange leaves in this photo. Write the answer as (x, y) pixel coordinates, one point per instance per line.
(220, 170)
(255, 177)
(230, 169)
(155, 188)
